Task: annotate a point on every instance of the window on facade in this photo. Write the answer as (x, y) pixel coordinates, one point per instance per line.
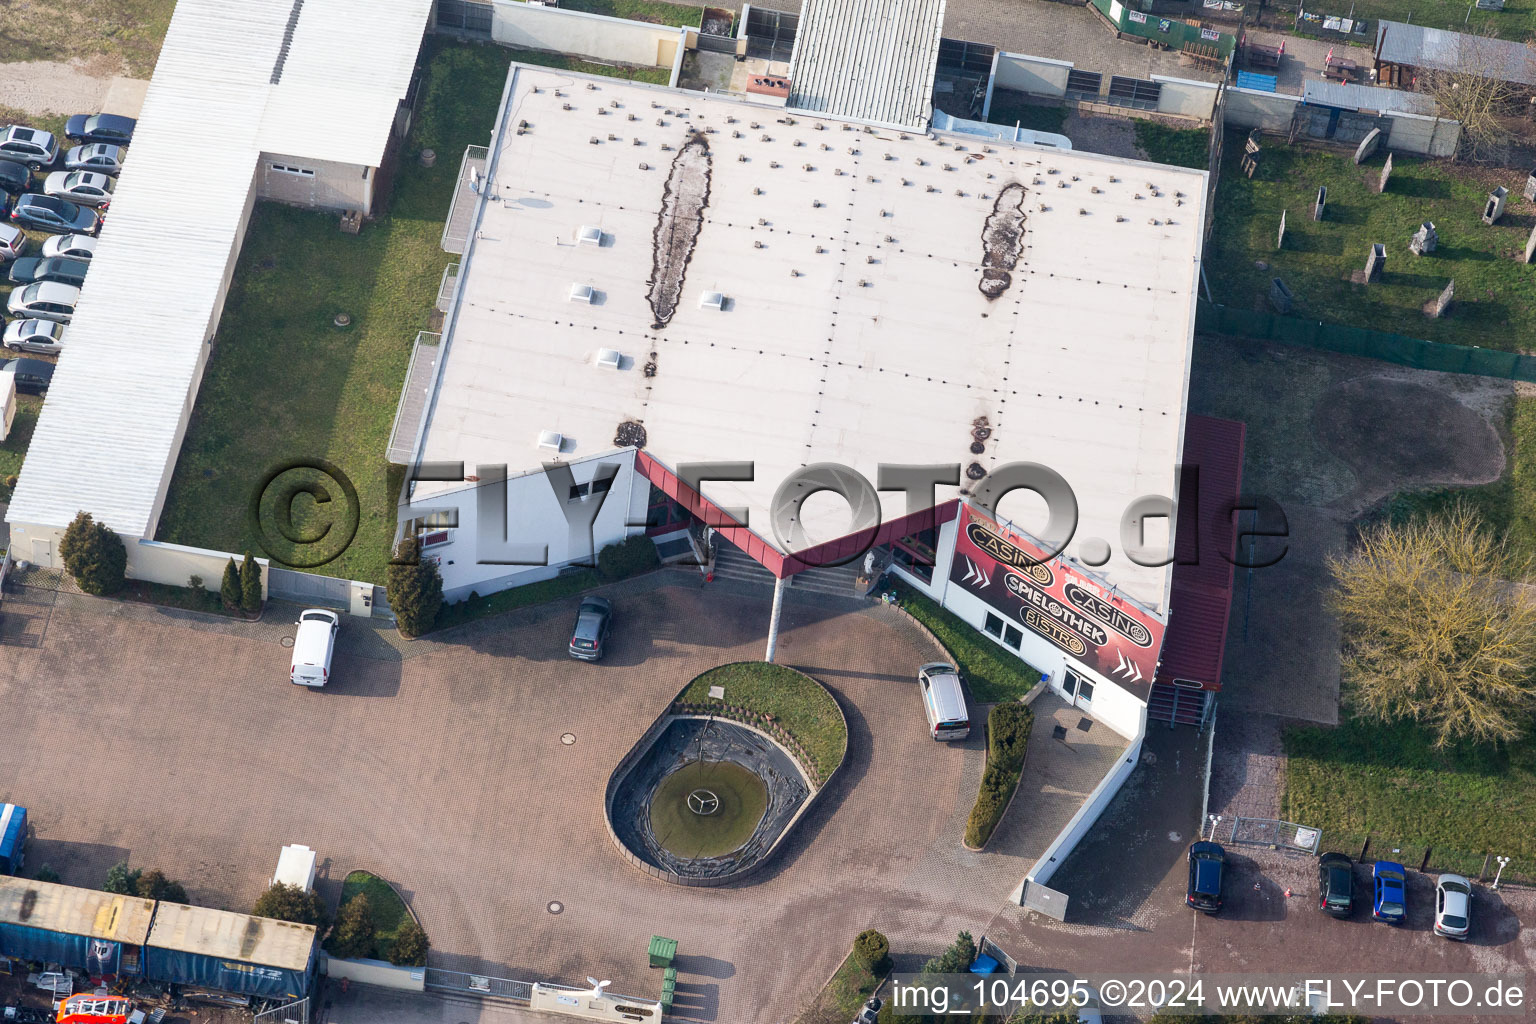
(994, 625)
(434, 537)
(1013, 637)
(917, 565)
(599, 486)
(287, 169)
(578, 491)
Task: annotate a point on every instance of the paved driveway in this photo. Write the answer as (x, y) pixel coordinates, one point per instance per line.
(134, 732)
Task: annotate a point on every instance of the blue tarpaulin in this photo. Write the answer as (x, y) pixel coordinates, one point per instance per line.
(1255, 81)
(13, 838)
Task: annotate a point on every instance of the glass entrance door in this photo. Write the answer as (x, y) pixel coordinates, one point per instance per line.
(1079, 690)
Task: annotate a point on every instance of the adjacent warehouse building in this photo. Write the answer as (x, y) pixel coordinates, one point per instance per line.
(254, 956)
(300, 102)
(872, 60)
(99, 933)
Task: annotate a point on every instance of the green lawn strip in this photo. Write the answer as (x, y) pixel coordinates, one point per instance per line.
(1181, 147)
(1387, 782)
(1008, 728)
(14, 448)
(1011, 109)
(1495, 293)
(656, 11)
(1517, 21)
(567, 584)
(843, 995)
(993, 675)
(384, 905)
(655, 76)
(129, 31)
(799, 705)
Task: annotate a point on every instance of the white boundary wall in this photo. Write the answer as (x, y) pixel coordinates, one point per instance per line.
(376, 973)
(592, 36)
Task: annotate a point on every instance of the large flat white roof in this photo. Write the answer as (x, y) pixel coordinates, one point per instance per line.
(880, 347)
(110, 430)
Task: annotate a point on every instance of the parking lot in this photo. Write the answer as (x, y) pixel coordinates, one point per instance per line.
(144, 733)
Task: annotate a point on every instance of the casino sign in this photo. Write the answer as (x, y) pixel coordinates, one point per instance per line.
(1114, 638)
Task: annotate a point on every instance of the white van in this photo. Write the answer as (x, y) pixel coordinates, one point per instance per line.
(313, 646)
(943, 701)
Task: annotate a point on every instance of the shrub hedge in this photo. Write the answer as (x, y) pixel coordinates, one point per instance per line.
(1008, 727)
(628, 557)
(992, 672)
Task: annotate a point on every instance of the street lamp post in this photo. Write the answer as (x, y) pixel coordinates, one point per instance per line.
(1497, 874)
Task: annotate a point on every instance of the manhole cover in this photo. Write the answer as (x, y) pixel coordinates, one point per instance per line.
(287, 641)
(568, 738)
(555, 906)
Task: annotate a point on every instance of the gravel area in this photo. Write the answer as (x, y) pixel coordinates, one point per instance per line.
(51, 87)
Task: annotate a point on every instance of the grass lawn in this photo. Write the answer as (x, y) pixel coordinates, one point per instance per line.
(799, 704)
(108, 35)
(992, 674)
(1181, 147)
(1495, 293)
(655, 76)
(1012, 108)
(656, 11)
(14, 448)
(1387, 782)
(387, 908)
(1516, 21)
(843, 995)
(285, 383)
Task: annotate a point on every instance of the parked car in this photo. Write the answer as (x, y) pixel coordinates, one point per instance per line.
(1207, 864)
(313, 646)
(50, 213)
(13, 241)
(49, 268)
(32, 375)
(76, 247)
(45, 300)
(1335, 884)
(94, 156)
(1389, 892)
(30, 146)
(14, 177)
(88, 188)
(43, 337)
(1453, 907)
(869, 1013)
(943, 701)
(112, 128)
(590, 635)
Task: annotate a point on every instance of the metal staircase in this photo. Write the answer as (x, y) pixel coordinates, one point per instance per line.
(1179, 705)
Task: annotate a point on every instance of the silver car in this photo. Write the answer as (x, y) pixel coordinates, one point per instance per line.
(589, 637)
(95, 156)
(87, 188)
(13, 241)
(1453, 907)
(75, 247)
(40, 336)
(45, 300)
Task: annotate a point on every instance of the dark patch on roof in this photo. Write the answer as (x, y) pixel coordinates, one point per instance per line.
(677, 227)
(1002, 240)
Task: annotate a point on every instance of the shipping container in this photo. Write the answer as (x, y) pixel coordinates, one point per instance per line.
(13, 838)
(100, 933)
(237, 953)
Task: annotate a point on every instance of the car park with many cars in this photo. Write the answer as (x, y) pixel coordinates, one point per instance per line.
(50, 213)
(49, 268)
(14, 177)
(33, 147)
(94, 156)
(13, 241)
(45, 300)
(41, 337)
(88, 188)
(76, 247)
(112, 128)
(32, 375)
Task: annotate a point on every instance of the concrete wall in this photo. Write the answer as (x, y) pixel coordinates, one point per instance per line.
(1083, 820)
(593, 36)
(1186, 98)
(1270, 111)
(376, 973)
(534, 516)
(1416, 133)
(158, 562)
(1410, 133)
(1038, 76)
(332, 186)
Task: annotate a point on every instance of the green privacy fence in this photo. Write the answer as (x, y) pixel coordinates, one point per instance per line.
(1361, 341)
(1175, 34)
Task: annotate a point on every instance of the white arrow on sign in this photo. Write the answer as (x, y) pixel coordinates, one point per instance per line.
(973, 573)
(1128, 668)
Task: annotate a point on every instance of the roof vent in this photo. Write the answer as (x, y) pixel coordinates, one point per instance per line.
(712, 300)
(589, 235)
(581, 293)
(609, 358)
(551, 439)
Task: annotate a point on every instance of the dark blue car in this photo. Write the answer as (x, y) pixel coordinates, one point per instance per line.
(1389, 892)
(47, 213)
(1206, 864)
(100, 128)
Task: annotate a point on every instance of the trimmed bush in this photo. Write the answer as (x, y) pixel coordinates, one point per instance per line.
(174, 892)
(94, 555)
(628, 557)
(290, 903)
(153, 885)
(871, 950)
(121, 879)
(411, 945)
(47, 874)
(250, 586)
(229, 588)
(415, 588)
(353, 936)
(1008, 727)
(954, 960)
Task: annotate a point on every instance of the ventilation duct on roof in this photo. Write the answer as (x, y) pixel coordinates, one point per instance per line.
(551, 439)
(712, 300)
(581, 293)
(589, 235)
(609, 358)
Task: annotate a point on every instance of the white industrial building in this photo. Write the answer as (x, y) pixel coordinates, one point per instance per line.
(292, 100)
(826, 304)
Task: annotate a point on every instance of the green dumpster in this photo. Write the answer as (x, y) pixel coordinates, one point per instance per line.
(663, 951)
(668, 987)
(670, 974)
(666, 1002)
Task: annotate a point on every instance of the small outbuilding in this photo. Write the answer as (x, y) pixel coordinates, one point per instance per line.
(234, 953)
(100, 933)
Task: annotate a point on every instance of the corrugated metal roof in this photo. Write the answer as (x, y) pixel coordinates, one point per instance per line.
(219, 933)
(1367, 97)
(108, 435)
(1204, 543)
(867, 59)
(1422, 47)
(75, 911)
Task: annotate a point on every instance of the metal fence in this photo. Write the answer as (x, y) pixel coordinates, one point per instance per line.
(465, 16)
(415, 394)
(461, 215)
(447, 286)
(307, 587)
(1281, 835)
(479, 985)
(289, 1013)
(1362, 341)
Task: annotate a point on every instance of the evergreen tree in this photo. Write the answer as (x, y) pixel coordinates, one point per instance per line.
(415, 588)
(250, 585)
(229, 589)
(94, 555)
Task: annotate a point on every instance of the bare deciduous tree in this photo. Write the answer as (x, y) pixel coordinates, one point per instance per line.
(1438, 628)
(1479, 89)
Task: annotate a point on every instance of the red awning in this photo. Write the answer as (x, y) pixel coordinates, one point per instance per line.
(1201, 594)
